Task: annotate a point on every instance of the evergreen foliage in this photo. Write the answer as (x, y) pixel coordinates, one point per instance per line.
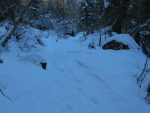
(90, 15)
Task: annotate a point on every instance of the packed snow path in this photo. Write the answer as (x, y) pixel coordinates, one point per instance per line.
(77, 80)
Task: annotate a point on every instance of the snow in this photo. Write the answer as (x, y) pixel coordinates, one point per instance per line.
(77, 79)
(3, 30)
(106, 3)
(145, 33)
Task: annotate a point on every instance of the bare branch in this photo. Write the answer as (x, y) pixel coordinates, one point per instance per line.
(6, 96)
(144, 72)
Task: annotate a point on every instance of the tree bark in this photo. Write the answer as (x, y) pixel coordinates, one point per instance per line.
(122, 6)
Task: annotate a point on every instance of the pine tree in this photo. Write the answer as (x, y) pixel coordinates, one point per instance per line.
(89, 15)
(7, 9)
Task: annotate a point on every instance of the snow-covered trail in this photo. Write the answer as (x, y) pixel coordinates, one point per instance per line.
(77, 80)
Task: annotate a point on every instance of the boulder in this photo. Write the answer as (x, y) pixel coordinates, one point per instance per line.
(114, 45)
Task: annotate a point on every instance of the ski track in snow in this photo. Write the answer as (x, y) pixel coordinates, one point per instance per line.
(69, 85)
(91, 73)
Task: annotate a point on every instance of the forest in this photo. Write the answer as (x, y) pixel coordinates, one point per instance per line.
(75, 56)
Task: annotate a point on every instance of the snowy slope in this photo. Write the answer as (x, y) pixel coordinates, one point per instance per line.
(77, 79)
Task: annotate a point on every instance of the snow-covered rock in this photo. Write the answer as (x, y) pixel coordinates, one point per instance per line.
(115, 45)
(125, 39)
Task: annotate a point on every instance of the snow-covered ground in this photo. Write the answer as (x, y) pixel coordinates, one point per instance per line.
(77, 79)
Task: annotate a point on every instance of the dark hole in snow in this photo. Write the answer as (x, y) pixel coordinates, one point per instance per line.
(115, 45)
(40, 42)
(43, 65)
(1, 61)
(71, 33)
(42, 27)
(91, 46)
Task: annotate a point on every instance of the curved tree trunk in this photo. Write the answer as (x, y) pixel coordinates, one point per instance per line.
(4, 43)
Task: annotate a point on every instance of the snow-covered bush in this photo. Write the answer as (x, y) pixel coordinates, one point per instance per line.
(30, 39)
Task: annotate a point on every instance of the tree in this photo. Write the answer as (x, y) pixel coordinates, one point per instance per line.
(16, 24)
(8, 9)
(89, 15)
(118, 10)
(63, 9)
(140, 10)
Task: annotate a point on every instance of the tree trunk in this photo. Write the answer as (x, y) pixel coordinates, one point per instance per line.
(122, 7)
(4, 43)
(118, 24)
